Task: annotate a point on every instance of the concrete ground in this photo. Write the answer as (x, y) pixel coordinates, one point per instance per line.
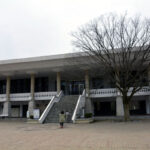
(102, 135)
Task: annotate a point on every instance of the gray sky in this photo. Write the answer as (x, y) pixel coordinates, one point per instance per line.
(42, 27)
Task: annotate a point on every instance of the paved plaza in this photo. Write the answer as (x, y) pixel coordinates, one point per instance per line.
(102, 135)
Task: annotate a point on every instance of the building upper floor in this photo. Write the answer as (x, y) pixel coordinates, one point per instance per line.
(47, 76)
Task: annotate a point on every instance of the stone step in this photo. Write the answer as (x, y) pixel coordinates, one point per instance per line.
(67, 103)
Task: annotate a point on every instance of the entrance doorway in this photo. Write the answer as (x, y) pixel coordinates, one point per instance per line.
(24, 112)
(107, 108)
(138, 107)
(72, 87)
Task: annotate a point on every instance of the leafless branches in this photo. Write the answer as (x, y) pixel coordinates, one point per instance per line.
(121, 44)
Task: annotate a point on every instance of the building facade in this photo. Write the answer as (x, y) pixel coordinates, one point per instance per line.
(36, 83)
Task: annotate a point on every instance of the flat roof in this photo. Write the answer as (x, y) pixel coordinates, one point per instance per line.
(43, 58)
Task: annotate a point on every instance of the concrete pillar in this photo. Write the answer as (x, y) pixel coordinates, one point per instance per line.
(32, 101)
(7, 104)
(148, 76)
(148, 105)
(88, 103)
(49, 83)
(7, 108)
(87, 83)
(21, 110)
(32, 86)
(58, 82)
(119, 106)
(119, 101)
(148, 100)
(8, 89)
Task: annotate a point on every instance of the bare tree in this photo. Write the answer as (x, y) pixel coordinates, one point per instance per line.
(122, 45)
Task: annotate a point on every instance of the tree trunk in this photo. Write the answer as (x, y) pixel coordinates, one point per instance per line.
(126, 112)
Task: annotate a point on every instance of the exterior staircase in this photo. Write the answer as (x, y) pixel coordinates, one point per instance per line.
(67, 104)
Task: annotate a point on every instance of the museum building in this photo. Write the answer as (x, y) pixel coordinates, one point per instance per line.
(43, 86)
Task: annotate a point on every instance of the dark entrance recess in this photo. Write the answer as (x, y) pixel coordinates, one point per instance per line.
(72, 87)
(138, 108)
(105, 108)
(25, 109)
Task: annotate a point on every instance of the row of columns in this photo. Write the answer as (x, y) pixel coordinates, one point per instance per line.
(88, 105)
(7, 104)
(31, 106)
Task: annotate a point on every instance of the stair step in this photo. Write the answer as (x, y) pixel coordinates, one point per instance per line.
(67, 103)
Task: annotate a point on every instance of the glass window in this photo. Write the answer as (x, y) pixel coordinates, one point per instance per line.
(20, 86)
(41, 84)
(3, 87)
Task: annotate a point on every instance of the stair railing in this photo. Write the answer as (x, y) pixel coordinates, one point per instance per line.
(55, 99)
(79, 106)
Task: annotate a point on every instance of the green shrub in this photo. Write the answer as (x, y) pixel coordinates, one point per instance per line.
(88, 115)
(31, 117)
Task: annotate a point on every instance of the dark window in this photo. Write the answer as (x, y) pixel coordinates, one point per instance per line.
(41, 84)
(20, 86)
(2, 86)
(97, 83)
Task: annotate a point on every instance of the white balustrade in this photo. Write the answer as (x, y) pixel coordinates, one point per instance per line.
(2, 97)
(144, 91)
(27, 96)
(112, 92)
(44, 95)
(103, 92)
(20, 97)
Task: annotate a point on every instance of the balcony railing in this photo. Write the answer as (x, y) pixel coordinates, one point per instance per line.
(2, 97)
(44, 95)
(103, 92)
(20, 97)
(27, 96)
(144, 91)
(112, 92)
(94, 93)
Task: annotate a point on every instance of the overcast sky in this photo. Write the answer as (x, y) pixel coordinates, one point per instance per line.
(42, 27)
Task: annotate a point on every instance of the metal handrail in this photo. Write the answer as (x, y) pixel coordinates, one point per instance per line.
(78, 106)
(49, 106)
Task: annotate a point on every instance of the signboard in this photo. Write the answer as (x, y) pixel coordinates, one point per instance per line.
(36, 114)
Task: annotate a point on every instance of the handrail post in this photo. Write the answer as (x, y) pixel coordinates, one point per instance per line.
(78, 105)
(49, 106)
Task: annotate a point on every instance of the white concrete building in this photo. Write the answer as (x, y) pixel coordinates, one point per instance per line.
(62, 82)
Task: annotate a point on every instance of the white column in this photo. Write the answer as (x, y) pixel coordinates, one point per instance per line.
(49, 83)
(87, 83)
(7, 105)
(88, 104)
(119, 101)
(58, 82)
(21, 110)
(32, 101)
(119, 106)
(148, 105)
(148, 100)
